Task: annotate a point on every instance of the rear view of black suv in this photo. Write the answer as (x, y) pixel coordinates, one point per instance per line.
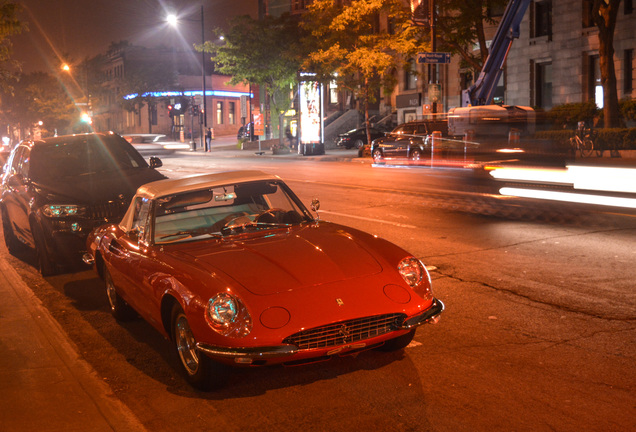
(56, 190)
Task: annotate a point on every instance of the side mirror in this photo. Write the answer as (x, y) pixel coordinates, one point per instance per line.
(155, 162)
(315, 204)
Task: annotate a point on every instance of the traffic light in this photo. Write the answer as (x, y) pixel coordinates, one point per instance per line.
(195, 110)
(170, 111)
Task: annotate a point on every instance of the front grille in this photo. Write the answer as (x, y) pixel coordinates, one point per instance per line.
(112, 211)
(346, 332)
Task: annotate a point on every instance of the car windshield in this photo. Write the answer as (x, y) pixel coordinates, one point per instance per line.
(227, 210)
(83, 155)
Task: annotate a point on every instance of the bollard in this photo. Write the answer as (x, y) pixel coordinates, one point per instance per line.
(514, 137)
(436, 141)
(469, 138)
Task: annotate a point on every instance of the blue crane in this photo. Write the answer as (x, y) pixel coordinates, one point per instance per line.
(481, 93)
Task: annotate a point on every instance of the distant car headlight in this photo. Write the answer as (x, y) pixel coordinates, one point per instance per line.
(416, 276)
(228, 316)
(62, 210)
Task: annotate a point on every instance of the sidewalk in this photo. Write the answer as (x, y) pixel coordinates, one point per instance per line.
(226, 146)
(44, 384)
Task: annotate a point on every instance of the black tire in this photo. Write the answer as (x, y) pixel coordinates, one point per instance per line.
(199, 370)
(118, 306)
(45, 263)
(10, 239)
(398, 343)
(358, 144)
(377, 156)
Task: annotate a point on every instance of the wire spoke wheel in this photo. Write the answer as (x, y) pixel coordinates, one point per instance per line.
(118, 306)
(186, 345)
(198, 369)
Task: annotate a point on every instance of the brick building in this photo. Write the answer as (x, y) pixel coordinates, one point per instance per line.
(167, 108)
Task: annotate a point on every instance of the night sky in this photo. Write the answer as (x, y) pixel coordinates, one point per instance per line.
(77, 29)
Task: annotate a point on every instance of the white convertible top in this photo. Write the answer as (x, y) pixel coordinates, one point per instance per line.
(166, 187)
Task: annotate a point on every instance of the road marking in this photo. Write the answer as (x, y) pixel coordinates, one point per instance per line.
(368, 219)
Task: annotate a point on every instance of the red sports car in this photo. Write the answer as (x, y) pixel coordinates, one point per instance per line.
(235, 270)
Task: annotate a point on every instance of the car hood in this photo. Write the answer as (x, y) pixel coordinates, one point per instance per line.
(98, 187)
(287, 261)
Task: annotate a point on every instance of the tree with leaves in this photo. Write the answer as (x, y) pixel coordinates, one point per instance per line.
(604, 14)
(263, 52)
(460, 27)
(39, 97)
(348, 45)
(9, 26)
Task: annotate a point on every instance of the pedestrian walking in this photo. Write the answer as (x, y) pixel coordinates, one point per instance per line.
(208, 139)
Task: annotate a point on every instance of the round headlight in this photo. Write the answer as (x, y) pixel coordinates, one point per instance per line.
(416, 276)
(222, 309)
(228, 316)
(412, 270)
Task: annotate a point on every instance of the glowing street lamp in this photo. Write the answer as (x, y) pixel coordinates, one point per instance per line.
(173, 20)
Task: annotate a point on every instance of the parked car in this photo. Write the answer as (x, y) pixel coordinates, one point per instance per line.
(55, 191)
(154, 144)
(233, 268)
(408, 140)
(246, 132)
(357, 138)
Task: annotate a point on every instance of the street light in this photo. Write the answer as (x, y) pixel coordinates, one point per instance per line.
(86, 110)
(173, 20)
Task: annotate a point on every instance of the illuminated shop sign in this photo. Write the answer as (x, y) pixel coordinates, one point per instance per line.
(190, 93)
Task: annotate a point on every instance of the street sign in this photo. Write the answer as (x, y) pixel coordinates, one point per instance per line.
(434, 92)
(243, 106)
(434, 58)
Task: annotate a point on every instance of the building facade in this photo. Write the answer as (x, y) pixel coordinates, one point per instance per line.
(173, 104)
(556, 59)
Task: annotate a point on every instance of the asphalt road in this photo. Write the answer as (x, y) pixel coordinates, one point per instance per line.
(538, 334)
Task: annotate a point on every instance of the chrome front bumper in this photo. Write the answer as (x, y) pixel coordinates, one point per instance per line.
(248, 355)
(430, 315)
(254, 353)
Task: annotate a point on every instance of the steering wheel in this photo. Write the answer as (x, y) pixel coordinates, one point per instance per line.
(272, 215)
(230, 221)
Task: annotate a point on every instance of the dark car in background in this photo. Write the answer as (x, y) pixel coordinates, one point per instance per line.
(246, 132)
(55, 191)
(154, 144)
(408, 140)
(357, 138)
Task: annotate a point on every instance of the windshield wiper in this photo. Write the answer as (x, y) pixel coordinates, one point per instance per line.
(192, 234)
(242, 227)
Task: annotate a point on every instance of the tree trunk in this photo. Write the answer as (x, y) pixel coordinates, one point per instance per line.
(149, 118)
(366, 109)
(605, 13)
